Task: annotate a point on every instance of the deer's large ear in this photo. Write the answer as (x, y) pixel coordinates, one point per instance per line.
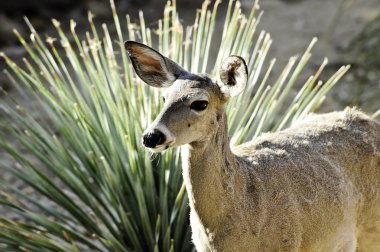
(234, 75)
(152, 67)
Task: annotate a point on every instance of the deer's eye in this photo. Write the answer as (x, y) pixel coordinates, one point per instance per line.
(163, 99)
(199, 105)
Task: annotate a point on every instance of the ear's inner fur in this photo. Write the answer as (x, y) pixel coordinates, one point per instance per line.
(228, 75)
(146, 62)
(233, 74)
(152, 67)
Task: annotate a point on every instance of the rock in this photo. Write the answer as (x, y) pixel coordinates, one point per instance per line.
(35, 5)
(7, 26)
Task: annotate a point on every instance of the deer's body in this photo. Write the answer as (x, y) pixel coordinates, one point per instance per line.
(312, 187)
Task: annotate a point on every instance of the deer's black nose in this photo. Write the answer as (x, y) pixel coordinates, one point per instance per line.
(152, 139)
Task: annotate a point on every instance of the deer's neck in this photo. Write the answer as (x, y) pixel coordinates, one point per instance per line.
(208, 170)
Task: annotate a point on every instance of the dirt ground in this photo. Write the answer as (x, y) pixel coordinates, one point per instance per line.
(292, 25)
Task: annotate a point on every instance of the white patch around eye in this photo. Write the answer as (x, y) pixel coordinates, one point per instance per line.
(198, 97)
(197, 112)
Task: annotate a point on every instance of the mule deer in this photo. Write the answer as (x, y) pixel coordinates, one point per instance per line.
(312, 187)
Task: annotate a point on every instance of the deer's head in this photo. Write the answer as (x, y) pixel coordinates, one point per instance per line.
(194, 103)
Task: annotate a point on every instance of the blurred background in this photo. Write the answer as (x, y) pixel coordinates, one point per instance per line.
(348, 32)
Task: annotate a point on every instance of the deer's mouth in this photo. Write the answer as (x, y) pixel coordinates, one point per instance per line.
(163, 147)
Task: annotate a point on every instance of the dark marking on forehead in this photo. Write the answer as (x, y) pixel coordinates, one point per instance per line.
(196, 80)
(193, 77)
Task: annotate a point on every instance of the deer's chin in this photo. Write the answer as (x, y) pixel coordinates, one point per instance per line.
(158, 149)
(162, 147)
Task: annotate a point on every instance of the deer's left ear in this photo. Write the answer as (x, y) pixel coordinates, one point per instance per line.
(153, 68)
(233, 75)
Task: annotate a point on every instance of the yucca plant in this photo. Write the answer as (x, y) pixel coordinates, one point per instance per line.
(94, 188)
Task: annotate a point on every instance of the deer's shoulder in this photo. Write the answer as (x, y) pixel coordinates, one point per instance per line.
(317, 133)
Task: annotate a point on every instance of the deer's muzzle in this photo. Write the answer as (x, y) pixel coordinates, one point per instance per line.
(152, 139)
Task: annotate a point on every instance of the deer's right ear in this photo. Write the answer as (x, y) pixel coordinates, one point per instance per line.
(153, 68)
(233, 76)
